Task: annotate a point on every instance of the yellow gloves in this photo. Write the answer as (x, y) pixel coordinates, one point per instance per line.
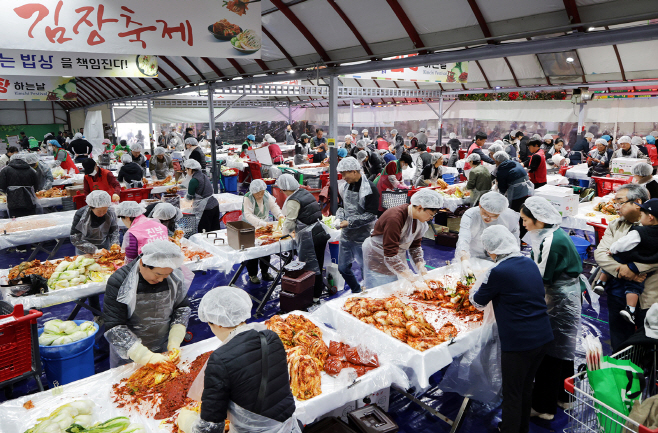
(176, 336)
(186, 420)
(142, 356)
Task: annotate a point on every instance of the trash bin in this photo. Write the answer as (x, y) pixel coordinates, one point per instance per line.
(231, 184)
(69, 362)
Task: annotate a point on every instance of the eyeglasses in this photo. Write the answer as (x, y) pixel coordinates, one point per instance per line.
(618, 205)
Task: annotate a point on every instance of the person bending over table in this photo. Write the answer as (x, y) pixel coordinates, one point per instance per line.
(432, 171)
(479, 178)
(398, 230)
(303, 216)
(561, 268)
(95, 226)
(20, 182)
(391, 176)
(100, 179)
(44, 174)
(371, 161)
(256, 208)
(512, 179)
(166, 213)
(643, 175)
(356, 216)
(246, 378)
(122, 146)
(161, 165)
(199, 189)
(145, 307)
(492, 210)
(131, 173)
(141, 230)
(514, 287)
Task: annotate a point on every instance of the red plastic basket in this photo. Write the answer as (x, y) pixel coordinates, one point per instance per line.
(234, 215)
(135, 194)
(599, 229)
(254, 167)
(606, 185)
(80, 200)
(16, 344)
(462, 153)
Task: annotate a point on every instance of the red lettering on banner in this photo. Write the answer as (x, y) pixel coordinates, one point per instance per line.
(87, 10)
(128, 18)
(101, 21)
(4, 84)
(52, 32)
(95, 38)
(26, 11)
(169, 31)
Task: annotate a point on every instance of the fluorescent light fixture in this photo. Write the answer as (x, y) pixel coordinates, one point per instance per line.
(355, 63)
(591, 29)
(497, 87)
(292, 71)
(67, 76)
(569, 59)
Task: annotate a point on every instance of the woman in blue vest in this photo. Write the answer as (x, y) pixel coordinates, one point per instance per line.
(303, 215)
(256, 208)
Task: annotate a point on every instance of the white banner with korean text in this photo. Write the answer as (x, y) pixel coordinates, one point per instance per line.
(213, 28)
(60, 64)
(38, 89)
(442, 73)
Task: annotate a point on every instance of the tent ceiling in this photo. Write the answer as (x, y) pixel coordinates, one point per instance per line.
(309, 33)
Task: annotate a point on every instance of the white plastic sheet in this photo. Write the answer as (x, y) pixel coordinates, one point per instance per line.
(227, 257)
(418, 366)
(578, 172)
(61, 229)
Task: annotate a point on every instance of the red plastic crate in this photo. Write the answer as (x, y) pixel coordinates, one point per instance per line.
(80, 200)
(599, 229)
(16, 343)
(135, 194)
(606, 185)
(254, 167)
(462, 153)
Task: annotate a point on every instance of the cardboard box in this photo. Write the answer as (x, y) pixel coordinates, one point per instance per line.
(380, 398)
(454, 223)
(341, 412)
(429, 234)
(624, 165)
(564, 199)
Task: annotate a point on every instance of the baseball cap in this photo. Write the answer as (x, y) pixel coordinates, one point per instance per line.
(650, 206)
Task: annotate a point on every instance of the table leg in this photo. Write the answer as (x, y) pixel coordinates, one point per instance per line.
(236, 275)
(455, 424)
(39, 247)
(94, 306)
(276, 281)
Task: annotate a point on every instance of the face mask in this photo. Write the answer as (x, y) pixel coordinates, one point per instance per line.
(94, 172)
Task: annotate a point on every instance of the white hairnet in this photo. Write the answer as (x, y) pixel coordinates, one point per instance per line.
(126, 158)
(129, 209)
(286, 182)
(494, 202)
(348, 164)
(435, 157)
(192, 141)
(499, 143)
(543, 210)
(361, 156)
(225, 306)
(624, 139)
(348, 137)
(192, 164)
(513, 133)
(267, 137)
(98, 198)
(355, 132)
(47, 135)
(257, 186)
(589, 135)
(495, 148)
(654, 133)
(499, 240)
(600, 141)
(410, 134)
(271, 140)
(642, 169)
(364, 131)
(536, 137)
(31, 158)
(136, 148)
(394, 131)
(548, 137)
(361, 144)
(637, 141)
(427, 198)
(452, 135)
(166, 211)
(473, 157)
(159, 151)
(501, 156)
(18, 156)
(421, 130)
(77, 136)
(162, 254)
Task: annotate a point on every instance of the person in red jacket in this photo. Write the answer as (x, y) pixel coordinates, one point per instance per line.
(275, 151)
(536, 164)
(97, 178)
(381, 143)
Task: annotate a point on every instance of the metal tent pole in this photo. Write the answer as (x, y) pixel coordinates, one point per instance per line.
(333, 133)
(440, 142)
(113, 124)
(581, 120)
(148, 134)
(211, 125)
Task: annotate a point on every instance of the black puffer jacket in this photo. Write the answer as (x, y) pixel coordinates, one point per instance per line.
(130, 172)
(198, 155)
(18, 173)
(234, 374)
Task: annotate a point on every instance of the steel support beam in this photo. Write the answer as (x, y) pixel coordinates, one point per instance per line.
(119, 118)
(289, 114)
(333, 133)
(150, 131)
(441, 121)
(213, 146)
(113, 123)
(211, 104)
(581, 119)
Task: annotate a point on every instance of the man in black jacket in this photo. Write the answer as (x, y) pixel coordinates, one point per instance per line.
(152, 315)
(524, 152)
(25, 142)
(131, 173)
(80, 148)
(195, 152)
(20, 182)
(188, 133)
(247, 376)
(372, 163)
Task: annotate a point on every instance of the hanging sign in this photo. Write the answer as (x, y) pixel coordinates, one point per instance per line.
(37, 89)
(40, 63)
(198, 28)
(445, 73)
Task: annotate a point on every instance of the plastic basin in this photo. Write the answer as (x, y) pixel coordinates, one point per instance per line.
(581, 245)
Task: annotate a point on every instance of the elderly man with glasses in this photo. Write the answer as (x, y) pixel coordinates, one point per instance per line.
(627, 201)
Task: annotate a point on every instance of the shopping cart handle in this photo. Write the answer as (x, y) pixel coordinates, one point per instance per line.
(568, 385)
(643, 429)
